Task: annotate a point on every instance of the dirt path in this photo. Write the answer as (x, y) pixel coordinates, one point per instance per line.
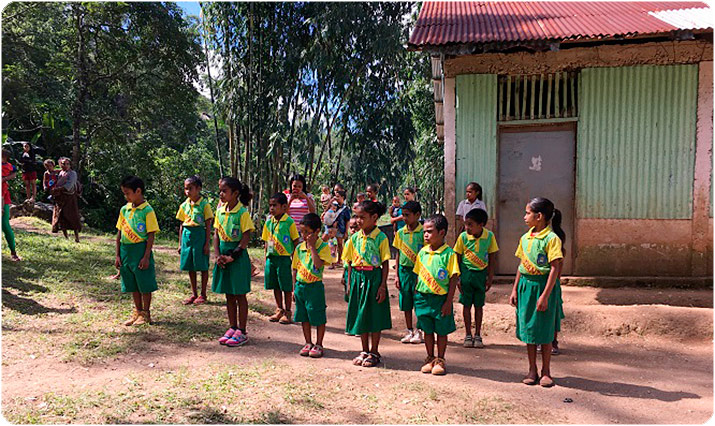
(626, 359)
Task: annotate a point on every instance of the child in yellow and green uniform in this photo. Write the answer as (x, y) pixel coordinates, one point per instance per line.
(137, 226)
(437, 269)
(476, 248)
(309, 260)
(195, 215)
(408, 241)
(536, 293)
(232, 271)
(367, 254)
(281, 237)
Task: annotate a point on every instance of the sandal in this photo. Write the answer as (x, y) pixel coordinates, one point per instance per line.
(306, 349)
(546, 382)
(200, 300)
(316, 351)
(358, 360)
(372, 360)
(189, 300)
(528, 380)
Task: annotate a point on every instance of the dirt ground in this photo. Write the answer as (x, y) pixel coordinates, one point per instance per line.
(629, 356)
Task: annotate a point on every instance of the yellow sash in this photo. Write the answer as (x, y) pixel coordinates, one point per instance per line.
(430, 281)
(304, 272)
(474, 259)
(128, 231)
(277, 244)
(222, 232)
(530, 267)
(407, 251)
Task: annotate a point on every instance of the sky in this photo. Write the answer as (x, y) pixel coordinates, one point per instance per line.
(190, 7)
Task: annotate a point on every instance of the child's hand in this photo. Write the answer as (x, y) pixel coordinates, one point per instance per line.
(513, 299)
(178, 250)
(447, 308)
(311, 238)
(293, 296)
(397, 282)
(144, 263)
(118, 262)
(206, 250)
(488, 285)
(542, 304)
(381, 294)
(227, 259)
(459, 285)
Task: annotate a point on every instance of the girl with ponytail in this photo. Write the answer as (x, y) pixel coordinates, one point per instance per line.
(536, 293)
(232, 271)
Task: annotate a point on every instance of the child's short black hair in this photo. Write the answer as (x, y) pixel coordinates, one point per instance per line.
(478, 215)
(373, 187)
(342, 193)
(373, 207)
(439, 222)
(280, 198)
(312, 221)
(132, 182)
(412, 206)
(194, 180)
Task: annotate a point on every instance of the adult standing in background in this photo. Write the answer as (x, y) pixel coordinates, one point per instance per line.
(473, 201)
(29, 174)
(300, 203)
(66, 214)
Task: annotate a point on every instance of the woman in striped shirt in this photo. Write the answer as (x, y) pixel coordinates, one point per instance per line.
(299, 203)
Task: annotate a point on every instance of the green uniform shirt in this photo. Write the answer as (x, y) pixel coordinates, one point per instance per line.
(475, 251)
(303, 262)
(279, 235)
(434, 269)
(367, 250)
(231, 225)
(537, 251)
(136, 223)
(194, 214)
(409, 243)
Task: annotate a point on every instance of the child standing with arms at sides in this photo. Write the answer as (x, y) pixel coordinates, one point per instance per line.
(437, 269)
(536, 292)
(232, 271)
(281, 237)
(195, 215)
(137, 227)
(8, 172)
(29, 175)
(476, 249)
(473, 201)
(309, 260)
(352, 228)
(408, 241)
(367, 254)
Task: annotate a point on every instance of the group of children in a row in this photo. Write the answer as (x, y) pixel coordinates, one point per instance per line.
(429, 271)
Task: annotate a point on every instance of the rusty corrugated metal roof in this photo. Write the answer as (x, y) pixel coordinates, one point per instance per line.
(444, 23)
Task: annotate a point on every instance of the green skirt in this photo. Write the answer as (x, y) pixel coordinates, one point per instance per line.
(534, 327)
(235, 277)
(193, 240)
(365, 315)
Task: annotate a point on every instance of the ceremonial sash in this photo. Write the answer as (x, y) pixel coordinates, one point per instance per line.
(277, 244)
(305, 273)
(222, 232)
(428, 279)
(407, 251)
(474, 259)
(128, 231)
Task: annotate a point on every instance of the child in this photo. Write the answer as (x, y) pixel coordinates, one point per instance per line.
(367, 254)
(49, 178)
(194, 237)
(371, 192)
(328, 218)
(352, 228)
(137, 227)
(8, 172)
(309, 259)
(410, 194)
(360, 199)
(396, 214)
(232, 271)
(438, 270)
(408, 241)
(476, 249)
(473, 201)
(536, 292)
(325, 197)
(341, 221)
(281, 237)
(29, 175)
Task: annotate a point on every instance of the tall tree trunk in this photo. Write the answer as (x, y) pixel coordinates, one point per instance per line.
(80, 87)
(213, 100)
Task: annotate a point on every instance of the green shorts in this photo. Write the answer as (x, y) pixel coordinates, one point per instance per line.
(474, 287)
(364, 314)
(235, 277)
(278, 273)
(408, 281)
(534, 327)
(428, 309)
(310, 303)
(133, 278)
(193, 240)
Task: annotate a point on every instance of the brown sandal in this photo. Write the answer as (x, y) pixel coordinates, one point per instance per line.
(546, 382)
(372, 360)
(528, 380)
(360, 358)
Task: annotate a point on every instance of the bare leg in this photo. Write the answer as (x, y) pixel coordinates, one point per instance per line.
(76, 236)
(467, 315)
(27, 189)
(34, 189)
(146, 301)
(278, 296)
(320, 335)
(306, 332)
(375, 337)
(242, 311)
(192, 279)
(231, 310)
(531, 351)
(441, 346)
(204, 282)
(137, 300)
(429, 344)
(545, 360)
(365, 339)
(478, 315)
(64, 232)
(288, 295)
(408, 319)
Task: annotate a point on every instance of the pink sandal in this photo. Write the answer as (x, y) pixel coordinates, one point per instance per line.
(200, 300)
(189, 300)
(316, 352)
(307, 349)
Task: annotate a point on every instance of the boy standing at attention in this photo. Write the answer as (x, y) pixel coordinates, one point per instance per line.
(476, 249)
(408, 241)
(438, 270)
(137, 225)
(281, 237)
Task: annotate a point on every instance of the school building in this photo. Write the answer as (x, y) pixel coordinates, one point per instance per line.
(606, 108)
